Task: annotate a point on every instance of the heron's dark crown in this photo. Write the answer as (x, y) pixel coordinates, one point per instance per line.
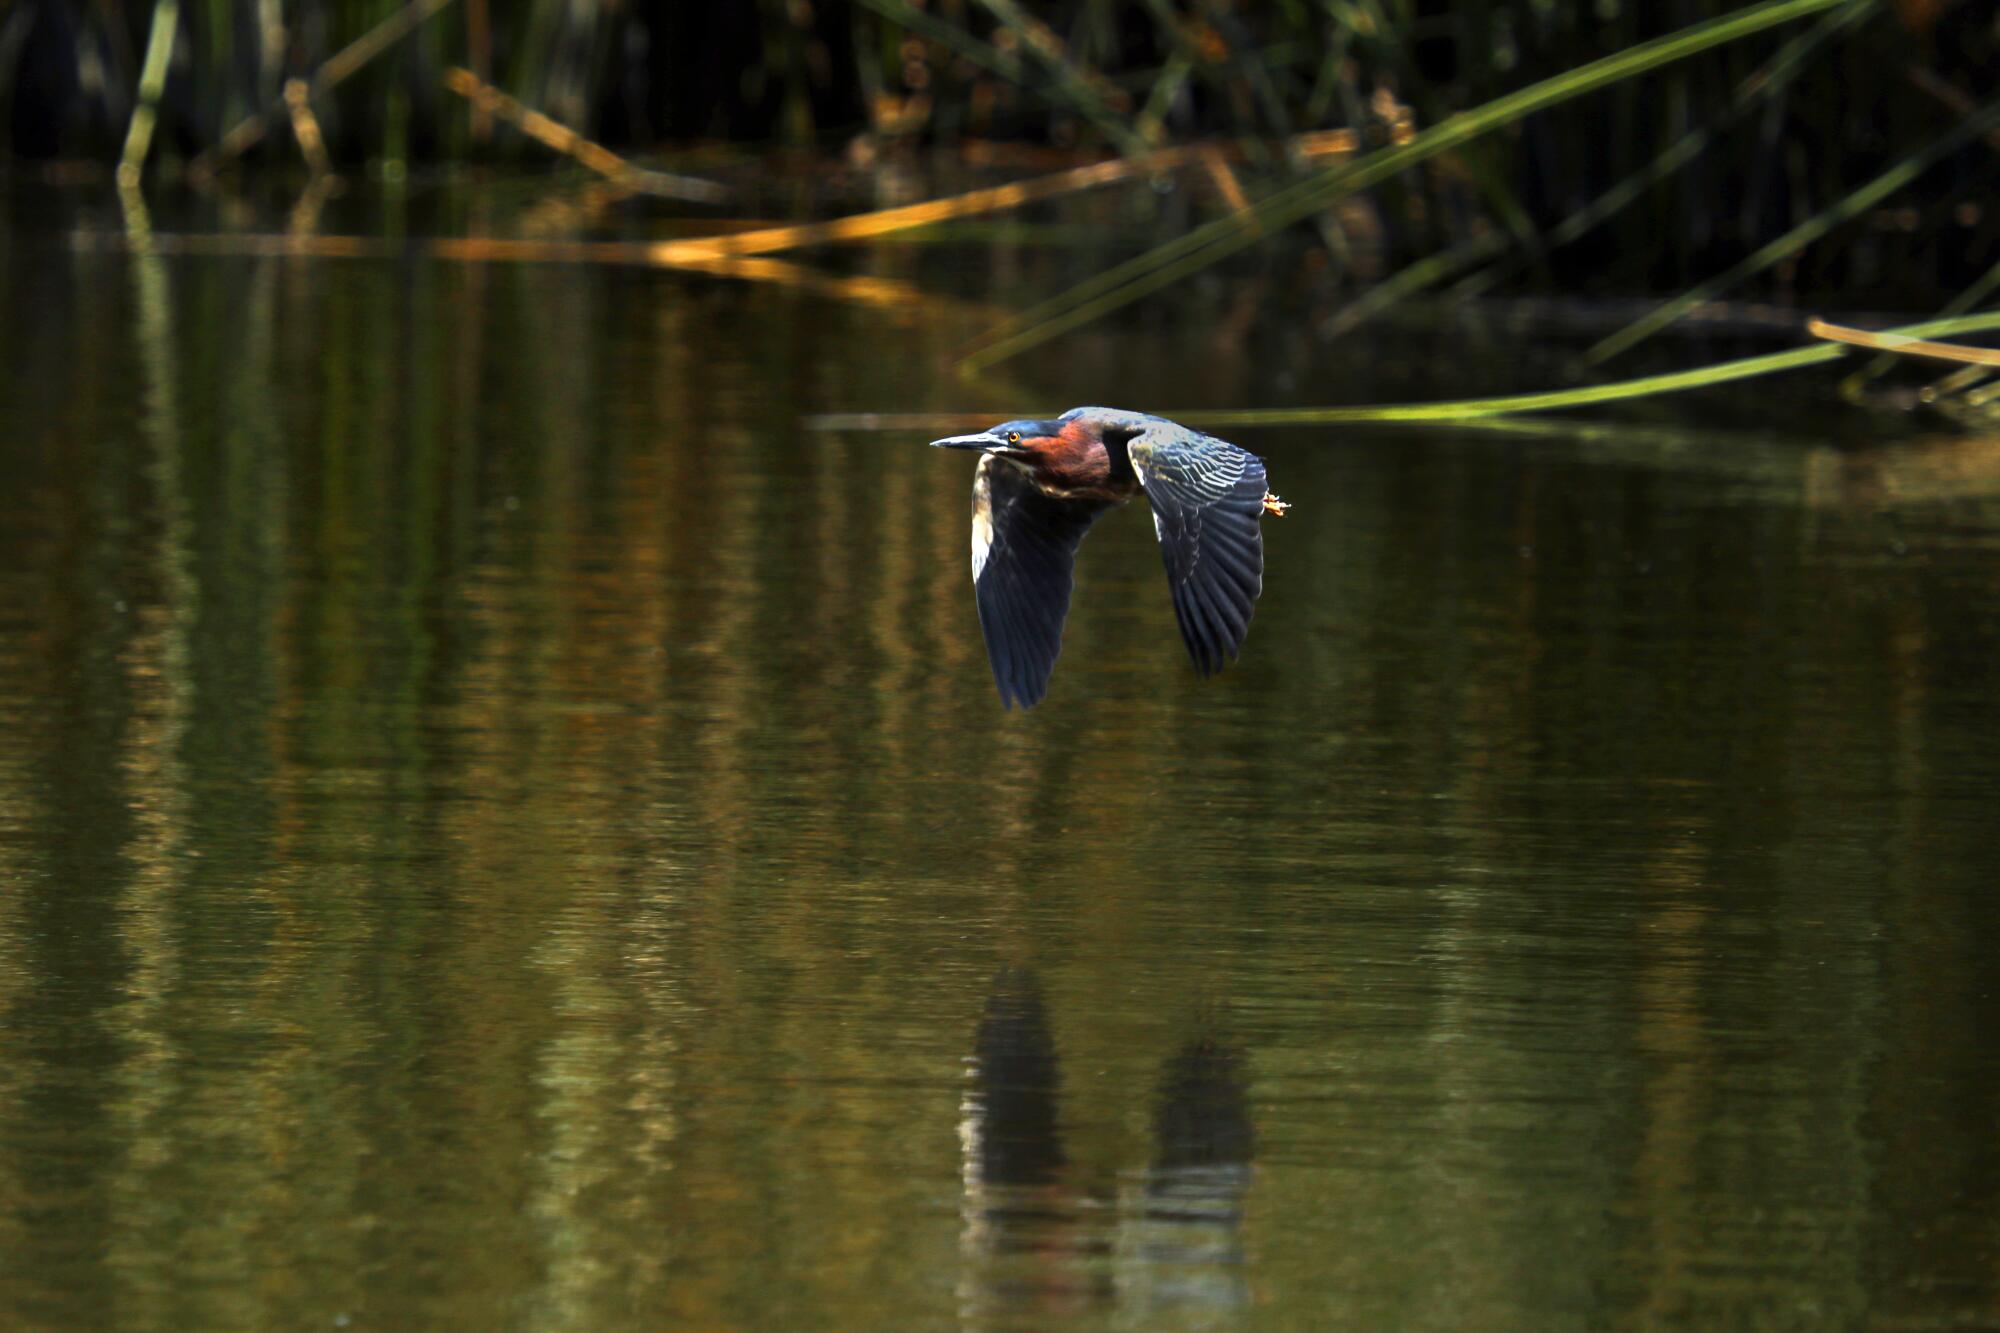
(1029, 428)
(1101, 418)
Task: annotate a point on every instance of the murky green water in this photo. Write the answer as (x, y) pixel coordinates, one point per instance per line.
(501, 828)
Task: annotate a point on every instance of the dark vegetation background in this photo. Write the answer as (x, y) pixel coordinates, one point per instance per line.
(861, 83)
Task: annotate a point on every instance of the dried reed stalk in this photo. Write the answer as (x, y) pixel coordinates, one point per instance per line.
(994, 199)
(344, 62)
(1902, 345)
(554, 134)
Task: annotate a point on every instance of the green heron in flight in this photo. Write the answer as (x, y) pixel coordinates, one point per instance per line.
(1041, 484)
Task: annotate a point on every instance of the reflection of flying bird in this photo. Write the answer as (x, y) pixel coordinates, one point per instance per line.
(1046, 1239)
(1040, 486)
(1202, 1117)
(1019, 1080)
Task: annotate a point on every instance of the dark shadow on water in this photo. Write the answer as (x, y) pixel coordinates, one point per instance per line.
(1020, 1139)
(1201, 1122)
(1048, 1235)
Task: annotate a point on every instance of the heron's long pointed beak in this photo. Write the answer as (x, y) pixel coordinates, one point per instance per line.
(983, 440)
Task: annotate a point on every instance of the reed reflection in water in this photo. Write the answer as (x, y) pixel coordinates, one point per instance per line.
(500, 828)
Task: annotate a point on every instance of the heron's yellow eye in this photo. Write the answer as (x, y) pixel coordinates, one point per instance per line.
(1013, 437)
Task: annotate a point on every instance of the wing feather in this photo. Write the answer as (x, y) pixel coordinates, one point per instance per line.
(1207, 496)
(1023, 550)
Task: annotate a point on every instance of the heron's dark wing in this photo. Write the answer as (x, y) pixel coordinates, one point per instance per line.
(1023, 547)
(1207, 495)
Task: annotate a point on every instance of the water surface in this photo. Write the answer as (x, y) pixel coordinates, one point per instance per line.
(500, 827)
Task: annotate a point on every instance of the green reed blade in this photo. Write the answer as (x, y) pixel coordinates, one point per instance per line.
(1412, 278)
(1799, 237)
(1461, 409)
(1767, 82)
(960, 42)
(1076, 88)
(152, 80)
(1981, 288)
(1645, 387)
(1127, 282)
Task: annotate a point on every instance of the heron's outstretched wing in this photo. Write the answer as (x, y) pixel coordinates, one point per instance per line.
(1207, 495)
(1023, 548)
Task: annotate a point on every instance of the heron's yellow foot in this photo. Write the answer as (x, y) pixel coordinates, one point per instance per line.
(1273, 505)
